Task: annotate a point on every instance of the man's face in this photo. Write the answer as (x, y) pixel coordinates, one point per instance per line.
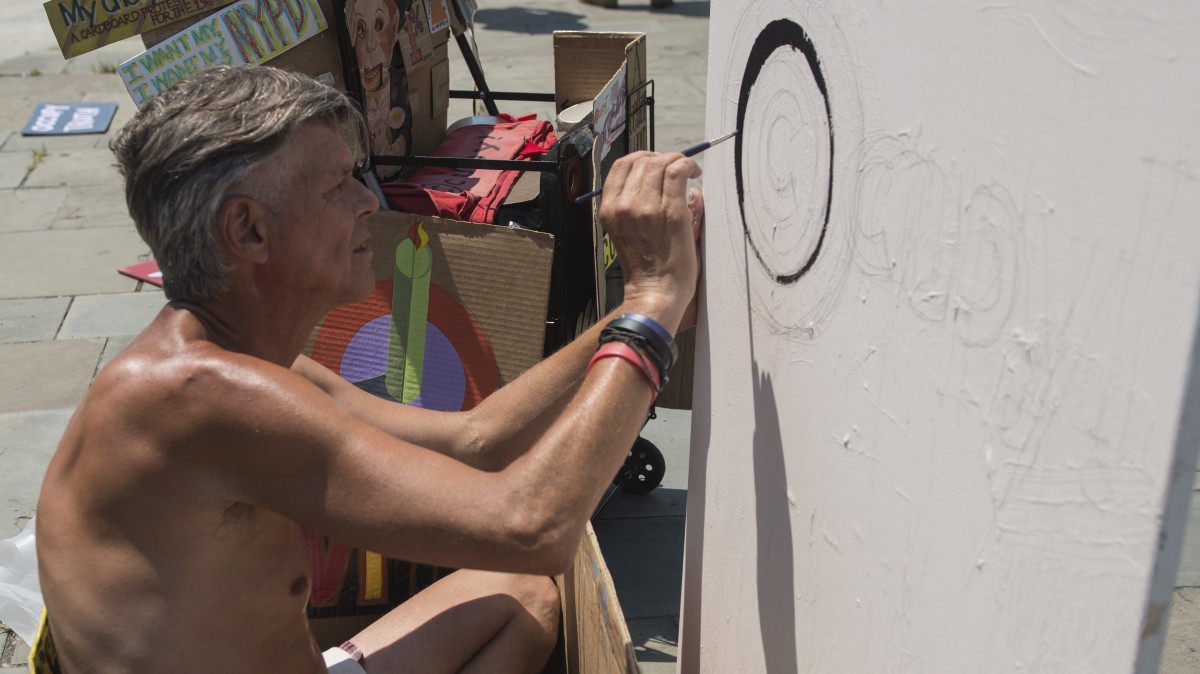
(318, 230)
(373, 28)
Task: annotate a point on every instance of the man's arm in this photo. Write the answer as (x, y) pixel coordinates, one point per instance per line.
(507, 423)
(493, 434)
(264, 435)
(448, 433)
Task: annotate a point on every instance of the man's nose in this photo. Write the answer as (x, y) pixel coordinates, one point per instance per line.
(368, 202)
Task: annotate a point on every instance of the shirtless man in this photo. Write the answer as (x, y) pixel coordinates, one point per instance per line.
(169, 521)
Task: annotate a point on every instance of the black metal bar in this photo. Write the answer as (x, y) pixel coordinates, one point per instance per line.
(503, 95)
(466, 163)
(650, 102)
(477, 74)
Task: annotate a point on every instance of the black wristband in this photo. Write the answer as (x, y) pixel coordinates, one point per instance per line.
(656, 339)
(639, 345)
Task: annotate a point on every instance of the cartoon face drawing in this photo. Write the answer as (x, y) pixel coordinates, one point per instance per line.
(373, 27)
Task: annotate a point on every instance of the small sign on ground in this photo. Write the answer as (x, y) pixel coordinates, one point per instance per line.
(59, 119)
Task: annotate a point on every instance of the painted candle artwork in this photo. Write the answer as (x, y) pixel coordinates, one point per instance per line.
(947, 406)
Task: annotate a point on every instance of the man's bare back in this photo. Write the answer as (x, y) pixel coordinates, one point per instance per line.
(175, 568)
(169, 520)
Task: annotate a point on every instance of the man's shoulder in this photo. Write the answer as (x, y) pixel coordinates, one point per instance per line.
(194, 369)
(185, 387)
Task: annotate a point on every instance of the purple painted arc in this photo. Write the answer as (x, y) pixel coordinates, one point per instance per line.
(444, 377)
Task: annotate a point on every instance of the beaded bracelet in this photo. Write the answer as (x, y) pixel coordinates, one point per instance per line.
(632, 355)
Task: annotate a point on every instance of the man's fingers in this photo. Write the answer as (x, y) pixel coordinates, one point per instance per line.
(679, 171)
(618, 175)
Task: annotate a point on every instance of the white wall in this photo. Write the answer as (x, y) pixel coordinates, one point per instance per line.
(947, 445)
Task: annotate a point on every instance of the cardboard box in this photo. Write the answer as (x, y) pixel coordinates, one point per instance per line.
(458, 311)
(473, 306)
(586, 65)
(429, 95)
(407, 116)
(595, 635)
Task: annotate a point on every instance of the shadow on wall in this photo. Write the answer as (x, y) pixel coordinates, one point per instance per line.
(776, 586)
(531, 21)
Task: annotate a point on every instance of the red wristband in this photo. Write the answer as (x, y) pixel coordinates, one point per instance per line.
(625, 352)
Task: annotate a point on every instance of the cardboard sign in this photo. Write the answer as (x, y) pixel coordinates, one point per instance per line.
(84, 25)
(247, 33)
(317, 56)
(59, 119)
(458, 310)
(439, 15)
(609, 112)
(416, 41)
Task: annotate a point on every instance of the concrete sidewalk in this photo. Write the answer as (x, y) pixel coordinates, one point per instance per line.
(64, 311)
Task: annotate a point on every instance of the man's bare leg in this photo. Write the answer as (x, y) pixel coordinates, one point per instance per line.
(471, 621)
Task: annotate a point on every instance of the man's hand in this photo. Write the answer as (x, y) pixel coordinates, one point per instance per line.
(645, 211)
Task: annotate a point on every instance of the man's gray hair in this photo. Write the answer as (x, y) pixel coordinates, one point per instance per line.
(187, 147)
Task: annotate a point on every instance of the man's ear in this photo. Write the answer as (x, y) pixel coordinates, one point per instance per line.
(242, 228)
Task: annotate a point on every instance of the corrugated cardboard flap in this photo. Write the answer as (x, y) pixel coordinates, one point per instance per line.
(584, 61)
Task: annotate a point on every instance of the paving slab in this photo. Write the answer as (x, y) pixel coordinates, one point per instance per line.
(68, 262)
(25, 210)
(55, 144)
(15, 653)
(34, 63)
(46, 375)
(104, 61)
(656, 643)
(112, 347)
(32, 320)
(92, 206)
(84, 166)
(1189, 559)
(110, 315)
(1181, 648)
(661, 502)
(645, 557)
(23, 26)
(13, 168)
(27, 441)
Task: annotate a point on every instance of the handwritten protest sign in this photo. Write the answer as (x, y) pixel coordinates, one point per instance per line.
(244, 34)
(84, 25)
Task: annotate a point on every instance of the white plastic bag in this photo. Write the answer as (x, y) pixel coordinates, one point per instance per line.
(20, 594)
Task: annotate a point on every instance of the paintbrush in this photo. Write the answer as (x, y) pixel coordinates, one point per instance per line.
(690, 152)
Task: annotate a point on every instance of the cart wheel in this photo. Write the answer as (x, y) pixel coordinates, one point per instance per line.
(643, 470)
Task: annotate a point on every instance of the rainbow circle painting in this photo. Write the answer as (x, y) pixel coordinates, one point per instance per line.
(410, 341)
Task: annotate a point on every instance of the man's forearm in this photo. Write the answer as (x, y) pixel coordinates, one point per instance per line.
(512, 419)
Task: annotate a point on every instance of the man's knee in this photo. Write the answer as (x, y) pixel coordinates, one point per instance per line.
(539, 596)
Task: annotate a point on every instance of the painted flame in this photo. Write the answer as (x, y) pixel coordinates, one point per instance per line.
(417, 235)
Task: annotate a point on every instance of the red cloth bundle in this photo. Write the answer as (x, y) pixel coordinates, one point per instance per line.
(472, 194)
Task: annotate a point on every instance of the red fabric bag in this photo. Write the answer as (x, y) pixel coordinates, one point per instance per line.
(472, 194)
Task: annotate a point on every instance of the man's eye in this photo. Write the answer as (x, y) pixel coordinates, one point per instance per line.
(378, 24)
(361, 30)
